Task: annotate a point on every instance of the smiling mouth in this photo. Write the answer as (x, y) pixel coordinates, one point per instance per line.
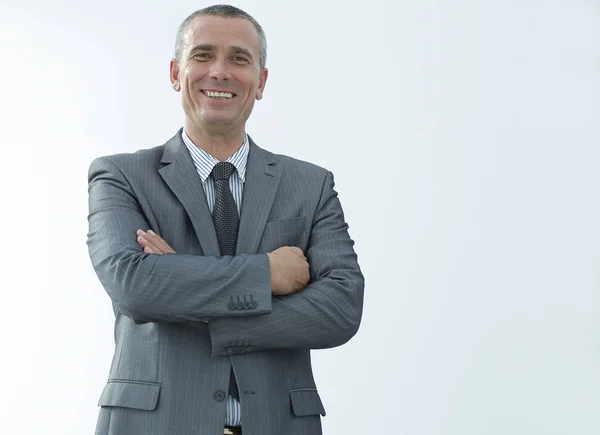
(219, 95)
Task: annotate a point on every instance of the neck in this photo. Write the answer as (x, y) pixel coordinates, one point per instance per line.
(221, 145)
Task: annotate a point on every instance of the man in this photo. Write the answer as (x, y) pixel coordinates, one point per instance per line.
(225, 264)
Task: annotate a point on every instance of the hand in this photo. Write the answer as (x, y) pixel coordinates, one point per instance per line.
(289, 270)
(153, 243)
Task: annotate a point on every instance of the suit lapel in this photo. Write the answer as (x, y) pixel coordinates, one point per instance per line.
(262, 179)
(181, 177)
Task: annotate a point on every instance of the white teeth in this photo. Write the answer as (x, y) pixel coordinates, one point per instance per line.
(212, 94)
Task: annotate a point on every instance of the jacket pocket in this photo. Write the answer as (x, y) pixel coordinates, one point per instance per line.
(285, 232)
(130, 394)
(306, 401)
(282, 226)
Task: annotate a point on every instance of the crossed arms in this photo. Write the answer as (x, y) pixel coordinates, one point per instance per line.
(292, 311)
(288, 266)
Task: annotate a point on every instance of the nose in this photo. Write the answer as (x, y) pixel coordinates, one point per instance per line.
(218, 70)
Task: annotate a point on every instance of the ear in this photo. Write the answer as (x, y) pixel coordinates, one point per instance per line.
(174, 67)
(262, 82)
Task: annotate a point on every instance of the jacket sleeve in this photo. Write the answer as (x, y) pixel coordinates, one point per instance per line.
(164, 288)
(325, 314)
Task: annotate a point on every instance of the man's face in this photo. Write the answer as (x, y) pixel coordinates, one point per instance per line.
(219, 74)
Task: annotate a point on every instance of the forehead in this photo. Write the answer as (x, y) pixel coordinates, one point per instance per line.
(222, 32)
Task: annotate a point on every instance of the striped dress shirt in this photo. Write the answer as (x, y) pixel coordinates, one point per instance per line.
(204, 164)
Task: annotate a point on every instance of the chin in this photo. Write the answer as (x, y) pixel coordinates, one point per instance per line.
(217, 124)
(213, 117)
(217, 121)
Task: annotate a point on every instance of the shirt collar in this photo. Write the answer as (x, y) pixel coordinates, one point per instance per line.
(205, 163)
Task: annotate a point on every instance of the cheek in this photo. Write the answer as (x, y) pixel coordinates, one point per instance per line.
(254, 91)
(190, 78)
(191, 91)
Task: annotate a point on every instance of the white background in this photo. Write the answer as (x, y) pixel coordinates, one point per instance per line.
(473, 127)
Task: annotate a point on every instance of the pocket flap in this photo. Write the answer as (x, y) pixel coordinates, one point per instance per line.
(282, 226)
(306, 402)
(130, 394)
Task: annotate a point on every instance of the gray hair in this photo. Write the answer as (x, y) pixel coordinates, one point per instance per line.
(222, 11)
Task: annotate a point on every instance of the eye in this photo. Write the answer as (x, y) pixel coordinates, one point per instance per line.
(202, 56)
(239, 59)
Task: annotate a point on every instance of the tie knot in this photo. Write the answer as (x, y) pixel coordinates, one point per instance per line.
(222, 171)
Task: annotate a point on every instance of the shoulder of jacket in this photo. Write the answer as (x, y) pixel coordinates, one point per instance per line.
(134, 158)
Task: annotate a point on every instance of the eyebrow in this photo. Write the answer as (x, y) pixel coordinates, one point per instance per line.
(202, 47)
(210, 47)
(242, 50)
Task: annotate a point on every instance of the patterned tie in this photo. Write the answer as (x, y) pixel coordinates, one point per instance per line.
(226, 220)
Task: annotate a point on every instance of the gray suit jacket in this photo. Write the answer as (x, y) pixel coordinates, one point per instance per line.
(170, 370)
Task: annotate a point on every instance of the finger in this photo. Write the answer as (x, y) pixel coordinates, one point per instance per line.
(297, 251)
(145, 243)
(141, 241)
(154, 241)
(159, 242)
(149, 250)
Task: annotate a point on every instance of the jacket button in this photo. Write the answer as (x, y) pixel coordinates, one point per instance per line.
(253, 305)
(248, 348)
(229, 349)
(231, 306)
(219, 396)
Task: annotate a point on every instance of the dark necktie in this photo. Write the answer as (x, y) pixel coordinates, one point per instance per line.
(226, 219)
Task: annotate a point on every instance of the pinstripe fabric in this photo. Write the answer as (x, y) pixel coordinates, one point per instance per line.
(170, 369)
(204, 164)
